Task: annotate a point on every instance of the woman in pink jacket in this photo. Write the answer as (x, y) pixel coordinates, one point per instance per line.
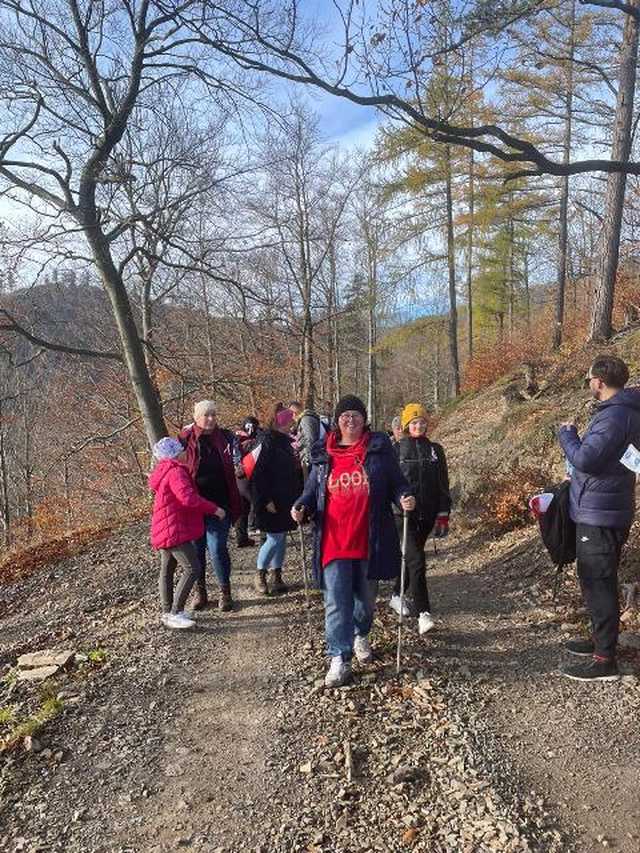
(177, 520)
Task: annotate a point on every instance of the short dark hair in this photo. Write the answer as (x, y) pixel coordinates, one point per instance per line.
(611, 370)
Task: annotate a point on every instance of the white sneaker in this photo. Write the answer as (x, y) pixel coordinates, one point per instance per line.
(339, 672)
(425, 622)
(178, 620)
(394, 604)
(362, 649)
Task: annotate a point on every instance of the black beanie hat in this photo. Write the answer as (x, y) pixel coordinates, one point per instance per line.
(350, 403)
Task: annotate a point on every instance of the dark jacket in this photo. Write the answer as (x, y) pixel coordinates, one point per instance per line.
(386, 486)
(277, 477)
(226, 446)
(602, 490)
(424, 465)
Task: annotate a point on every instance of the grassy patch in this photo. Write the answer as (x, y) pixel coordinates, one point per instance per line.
(29, 726)
(97, 656)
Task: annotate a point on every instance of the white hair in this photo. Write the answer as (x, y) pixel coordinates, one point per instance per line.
(204, 407)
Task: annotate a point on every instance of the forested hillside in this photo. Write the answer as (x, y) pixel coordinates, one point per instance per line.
(193, 219)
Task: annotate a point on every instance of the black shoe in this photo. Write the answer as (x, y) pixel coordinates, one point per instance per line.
(593, 670)
(581, 648)
(246, 543)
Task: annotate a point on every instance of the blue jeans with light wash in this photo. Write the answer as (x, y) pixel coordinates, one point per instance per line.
(349, 604)
(271, 553)
(214, 540)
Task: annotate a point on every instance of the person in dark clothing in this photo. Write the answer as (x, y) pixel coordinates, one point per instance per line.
(211, 459)
(309, 427)
(602, 504)
(424, 464)
(354, 480)
(247, 438)
(275, 483)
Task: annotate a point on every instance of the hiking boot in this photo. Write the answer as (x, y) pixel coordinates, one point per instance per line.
(260, 583)
(581, 648)
(201, 600)
(595, 669)
(177, 621)
(245, 543)
(225, 602)
(395, 604)
(362, 649)
(425, 622)
(339, 672)
(277, 585)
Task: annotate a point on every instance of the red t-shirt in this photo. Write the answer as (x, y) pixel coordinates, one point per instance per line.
(345, 534)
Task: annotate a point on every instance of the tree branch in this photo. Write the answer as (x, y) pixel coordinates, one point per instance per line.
(12, 325)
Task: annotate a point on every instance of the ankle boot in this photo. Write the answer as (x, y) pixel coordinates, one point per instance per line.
(260, 583)
(225, 602)
(200, 600)
(277, 585)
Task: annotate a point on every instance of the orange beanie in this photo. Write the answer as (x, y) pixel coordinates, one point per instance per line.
(412, 411)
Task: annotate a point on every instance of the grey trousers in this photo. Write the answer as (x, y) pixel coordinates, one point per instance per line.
(185, 556)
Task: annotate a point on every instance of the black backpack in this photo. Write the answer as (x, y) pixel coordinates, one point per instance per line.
(558, 531)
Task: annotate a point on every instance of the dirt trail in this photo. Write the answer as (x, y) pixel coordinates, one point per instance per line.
(577, 742)
(222, 739)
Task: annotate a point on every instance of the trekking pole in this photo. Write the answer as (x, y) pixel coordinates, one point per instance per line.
(305, 579)
(403, 566)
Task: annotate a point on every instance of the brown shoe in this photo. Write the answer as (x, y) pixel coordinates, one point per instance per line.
(260, 583)
(277, 585)
(200, 600)
(225, 602)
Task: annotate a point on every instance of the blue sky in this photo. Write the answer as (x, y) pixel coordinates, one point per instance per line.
(344, 122)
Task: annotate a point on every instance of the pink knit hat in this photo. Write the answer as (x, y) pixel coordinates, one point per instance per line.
(284, 418)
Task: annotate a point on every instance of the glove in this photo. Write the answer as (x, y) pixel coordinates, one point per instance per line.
(441, 528)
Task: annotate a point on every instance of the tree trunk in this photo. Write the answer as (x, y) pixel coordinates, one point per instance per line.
(564, 190)
(602, 310)
(436, 374)
(525, 284)
(5, 512)
(451, 262)
(372, 333)
(511, 273)
(308, 361)
(207, 328)
(143, 388)
(470, 254)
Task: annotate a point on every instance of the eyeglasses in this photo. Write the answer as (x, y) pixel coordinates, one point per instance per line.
(351, 416)
(587, 380)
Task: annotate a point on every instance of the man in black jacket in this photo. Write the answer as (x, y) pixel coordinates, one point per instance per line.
(603, 480)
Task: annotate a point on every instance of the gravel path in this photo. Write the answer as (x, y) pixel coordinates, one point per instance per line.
(222, 739)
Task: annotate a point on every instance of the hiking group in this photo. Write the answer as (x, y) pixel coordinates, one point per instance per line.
(353, 483)
(365, 492)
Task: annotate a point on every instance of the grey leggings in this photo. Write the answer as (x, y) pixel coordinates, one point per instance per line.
(186, 556)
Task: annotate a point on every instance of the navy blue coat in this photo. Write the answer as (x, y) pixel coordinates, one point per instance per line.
(602, 490)
(386, 486)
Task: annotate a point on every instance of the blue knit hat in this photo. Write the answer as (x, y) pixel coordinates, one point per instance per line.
(167, 448)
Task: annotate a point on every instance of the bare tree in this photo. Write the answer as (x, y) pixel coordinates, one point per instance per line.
(600, 328)
(387, 53)
(67, 100)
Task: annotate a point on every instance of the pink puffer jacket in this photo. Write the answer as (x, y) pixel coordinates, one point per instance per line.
(178, 510)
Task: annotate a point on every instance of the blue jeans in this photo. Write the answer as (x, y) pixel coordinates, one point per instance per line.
(349, 604)
(271, 553)
(216, 534)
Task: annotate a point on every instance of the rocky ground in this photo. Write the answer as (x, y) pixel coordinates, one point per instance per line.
(223, 739)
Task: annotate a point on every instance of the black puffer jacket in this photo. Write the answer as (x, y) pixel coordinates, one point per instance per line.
(277, 477)
(424, 465)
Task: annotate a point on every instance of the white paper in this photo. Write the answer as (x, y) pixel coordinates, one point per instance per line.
(631, 459)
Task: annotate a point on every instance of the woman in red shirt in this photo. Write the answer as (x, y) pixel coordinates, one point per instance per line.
(354, 480)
